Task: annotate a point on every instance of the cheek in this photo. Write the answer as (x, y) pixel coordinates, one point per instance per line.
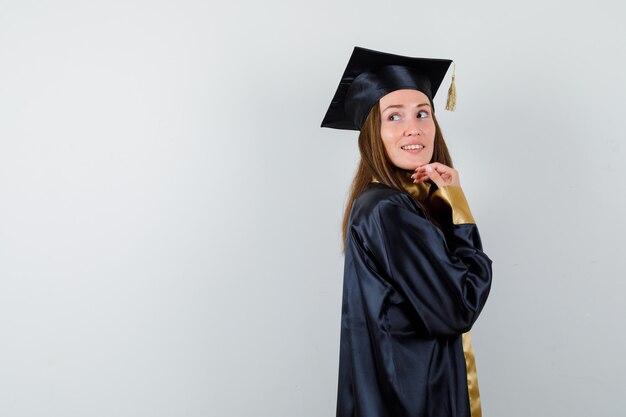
(389, 138)
(430, 133)
(386, 133)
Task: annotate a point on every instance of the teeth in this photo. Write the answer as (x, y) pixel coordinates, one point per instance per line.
(412, 147)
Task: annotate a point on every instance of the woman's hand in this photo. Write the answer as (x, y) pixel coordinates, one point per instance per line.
(440, 174)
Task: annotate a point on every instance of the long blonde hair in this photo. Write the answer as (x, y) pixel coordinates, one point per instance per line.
(375, 162)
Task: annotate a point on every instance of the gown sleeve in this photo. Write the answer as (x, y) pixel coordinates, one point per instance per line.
(443, 276)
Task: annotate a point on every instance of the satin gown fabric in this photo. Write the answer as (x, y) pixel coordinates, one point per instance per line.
(410, 290)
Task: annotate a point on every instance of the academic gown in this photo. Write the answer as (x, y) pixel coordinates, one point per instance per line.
(410, 290)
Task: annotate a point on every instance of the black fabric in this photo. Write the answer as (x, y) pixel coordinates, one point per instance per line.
(409, 293)
(370, 75)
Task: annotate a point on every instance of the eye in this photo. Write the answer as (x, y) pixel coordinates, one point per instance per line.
(423, 114)
(393, 117)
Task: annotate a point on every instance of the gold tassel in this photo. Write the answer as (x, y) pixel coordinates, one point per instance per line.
(451, 103)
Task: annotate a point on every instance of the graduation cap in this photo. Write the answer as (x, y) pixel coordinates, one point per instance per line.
(370, 75)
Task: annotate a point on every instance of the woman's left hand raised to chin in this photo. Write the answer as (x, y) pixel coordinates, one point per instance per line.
(440, 174)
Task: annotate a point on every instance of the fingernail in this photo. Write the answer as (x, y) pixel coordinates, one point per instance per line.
(429, 169)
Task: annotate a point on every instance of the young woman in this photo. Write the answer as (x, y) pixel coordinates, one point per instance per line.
(415, 277)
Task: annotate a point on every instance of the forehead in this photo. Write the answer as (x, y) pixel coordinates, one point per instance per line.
(404, 97)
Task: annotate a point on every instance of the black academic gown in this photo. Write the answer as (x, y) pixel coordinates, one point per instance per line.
(410, 290)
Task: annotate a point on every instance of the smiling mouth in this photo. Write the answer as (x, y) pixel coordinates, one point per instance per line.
(412, 147)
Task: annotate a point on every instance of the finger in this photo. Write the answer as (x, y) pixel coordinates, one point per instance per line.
(449, 174)
(439, 166)
(434, 175)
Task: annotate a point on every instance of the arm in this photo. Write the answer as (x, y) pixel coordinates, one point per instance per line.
(444, 278)
(451, 206)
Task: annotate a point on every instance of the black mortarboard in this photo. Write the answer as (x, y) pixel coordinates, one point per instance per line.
(370, 75)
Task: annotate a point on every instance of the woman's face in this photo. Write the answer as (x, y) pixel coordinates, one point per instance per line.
(407, 128)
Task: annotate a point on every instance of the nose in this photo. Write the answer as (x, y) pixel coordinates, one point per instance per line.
(412, 128)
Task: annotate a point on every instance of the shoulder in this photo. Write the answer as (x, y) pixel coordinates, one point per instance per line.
(382, 214)
(377, 198)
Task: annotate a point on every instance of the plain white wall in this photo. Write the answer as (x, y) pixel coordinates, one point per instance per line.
(170, 208)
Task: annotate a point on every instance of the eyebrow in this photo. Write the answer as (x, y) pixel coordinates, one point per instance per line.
(402, 105)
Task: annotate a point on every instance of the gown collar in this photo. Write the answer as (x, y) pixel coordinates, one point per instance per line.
(419, 191)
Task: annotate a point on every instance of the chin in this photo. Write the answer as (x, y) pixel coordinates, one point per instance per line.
(407, 166)
(411, 165)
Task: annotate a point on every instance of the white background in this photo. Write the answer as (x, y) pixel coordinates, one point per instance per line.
(170, 208)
